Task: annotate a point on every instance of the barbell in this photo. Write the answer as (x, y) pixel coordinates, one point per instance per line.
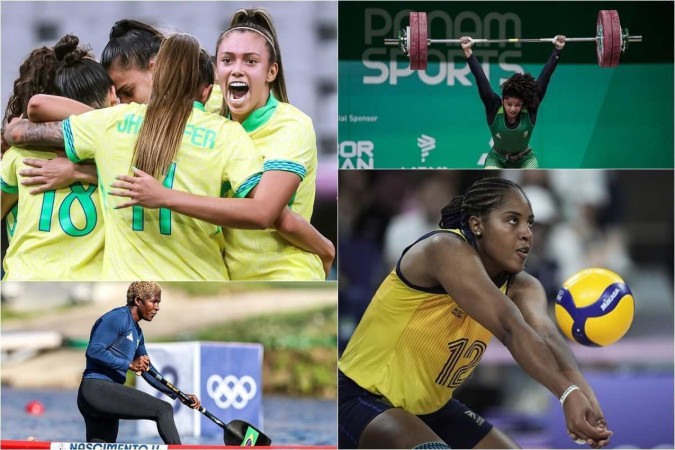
(610, 39)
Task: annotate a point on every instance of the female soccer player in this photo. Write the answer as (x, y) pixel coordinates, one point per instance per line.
(512, 117)
(251, 76)
(117, 345)
(429, 323)
(51, 225)
(278, 128)
(172, 138)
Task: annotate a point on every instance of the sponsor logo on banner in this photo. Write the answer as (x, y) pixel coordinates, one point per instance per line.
(231, 391)
(426, 144)
(357, 154)
(381, 24)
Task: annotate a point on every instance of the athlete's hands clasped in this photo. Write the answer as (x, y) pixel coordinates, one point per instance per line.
(583, 424)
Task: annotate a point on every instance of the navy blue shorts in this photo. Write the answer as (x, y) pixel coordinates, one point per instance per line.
(456, 424)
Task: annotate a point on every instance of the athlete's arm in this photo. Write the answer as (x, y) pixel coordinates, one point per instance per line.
(296, 230)
(56, 173)
(7, 202)
(490, 98)
(49, 108)
(102, 338)
(260, 211)
(25, 132)
(529, 296)
(549, 67)
(142, 352)
(457, 267)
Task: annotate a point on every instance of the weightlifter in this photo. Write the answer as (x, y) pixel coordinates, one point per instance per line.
(511, 117)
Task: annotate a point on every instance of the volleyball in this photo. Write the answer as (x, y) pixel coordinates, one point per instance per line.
(594, 307)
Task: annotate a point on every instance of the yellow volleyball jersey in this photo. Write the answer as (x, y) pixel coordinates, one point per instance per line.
(285, 137)
(414, 346)
(57, 235)
(160, 244)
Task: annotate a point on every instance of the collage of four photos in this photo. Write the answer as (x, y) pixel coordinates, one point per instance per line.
(337, 224)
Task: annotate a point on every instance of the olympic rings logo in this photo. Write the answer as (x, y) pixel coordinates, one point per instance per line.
(231, 391)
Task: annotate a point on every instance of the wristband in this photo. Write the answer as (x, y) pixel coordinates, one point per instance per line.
(567, 392)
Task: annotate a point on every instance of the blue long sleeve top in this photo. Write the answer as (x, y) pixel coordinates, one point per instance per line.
(115, 341)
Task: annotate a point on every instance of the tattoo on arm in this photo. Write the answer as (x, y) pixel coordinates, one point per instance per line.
(47, 133)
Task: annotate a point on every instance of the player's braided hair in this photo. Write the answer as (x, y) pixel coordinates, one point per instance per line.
(524, 87)
(36, 76)
(142, 289)
(132, 44)
(260, 20)
(479, 199)
(78, 75)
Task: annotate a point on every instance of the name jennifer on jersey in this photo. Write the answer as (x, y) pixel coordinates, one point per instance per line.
(199, 136)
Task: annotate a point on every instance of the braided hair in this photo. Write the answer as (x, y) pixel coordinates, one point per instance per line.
(524, 87)
(480, 199)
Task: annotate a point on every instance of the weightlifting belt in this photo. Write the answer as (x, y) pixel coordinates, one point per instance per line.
(515, 156)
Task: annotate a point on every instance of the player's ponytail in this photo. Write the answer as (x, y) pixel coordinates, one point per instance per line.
(78, 75)
(182, 70)
(132, 44)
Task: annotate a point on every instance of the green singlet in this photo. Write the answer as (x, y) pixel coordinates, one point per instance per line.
(510, 141)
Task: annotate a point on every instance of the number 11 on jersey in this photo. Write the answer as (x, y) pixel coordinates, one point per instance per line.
(138, 218)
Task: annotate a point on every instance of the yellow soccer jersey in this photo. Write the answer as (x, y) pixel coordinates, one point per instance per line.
(57, 235)
(414, 347)
(10, 220)
(159, 244)
(285, 137)
(215, 102)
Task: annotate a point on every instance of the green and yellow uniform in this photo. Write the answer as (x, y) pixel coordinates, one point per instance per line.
(509, 142)
(285, 137)
(56, 235)
(414, 346)
(160, 244)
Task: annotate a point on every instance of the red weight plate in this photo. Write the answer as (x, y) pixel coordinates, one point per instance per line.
(609, 47)
(414, 39)
(616, 37)
(422, 22)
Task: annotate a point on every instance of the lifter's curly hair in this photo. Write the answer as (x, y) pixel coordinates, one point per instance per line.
(524, 87)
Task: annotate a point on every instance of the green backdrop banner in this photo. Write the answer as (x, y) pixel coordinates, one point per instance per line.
(591, 117)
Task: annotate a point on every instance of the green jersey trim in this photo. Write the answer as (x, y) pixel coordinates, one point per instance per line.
(261, 116)
(199, 106)
(247, 185)
(69, 142)
(8, 188)
(286, 166)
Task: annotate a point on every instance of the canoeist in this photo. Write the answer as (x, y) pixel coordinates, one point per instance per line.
(116, 345)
